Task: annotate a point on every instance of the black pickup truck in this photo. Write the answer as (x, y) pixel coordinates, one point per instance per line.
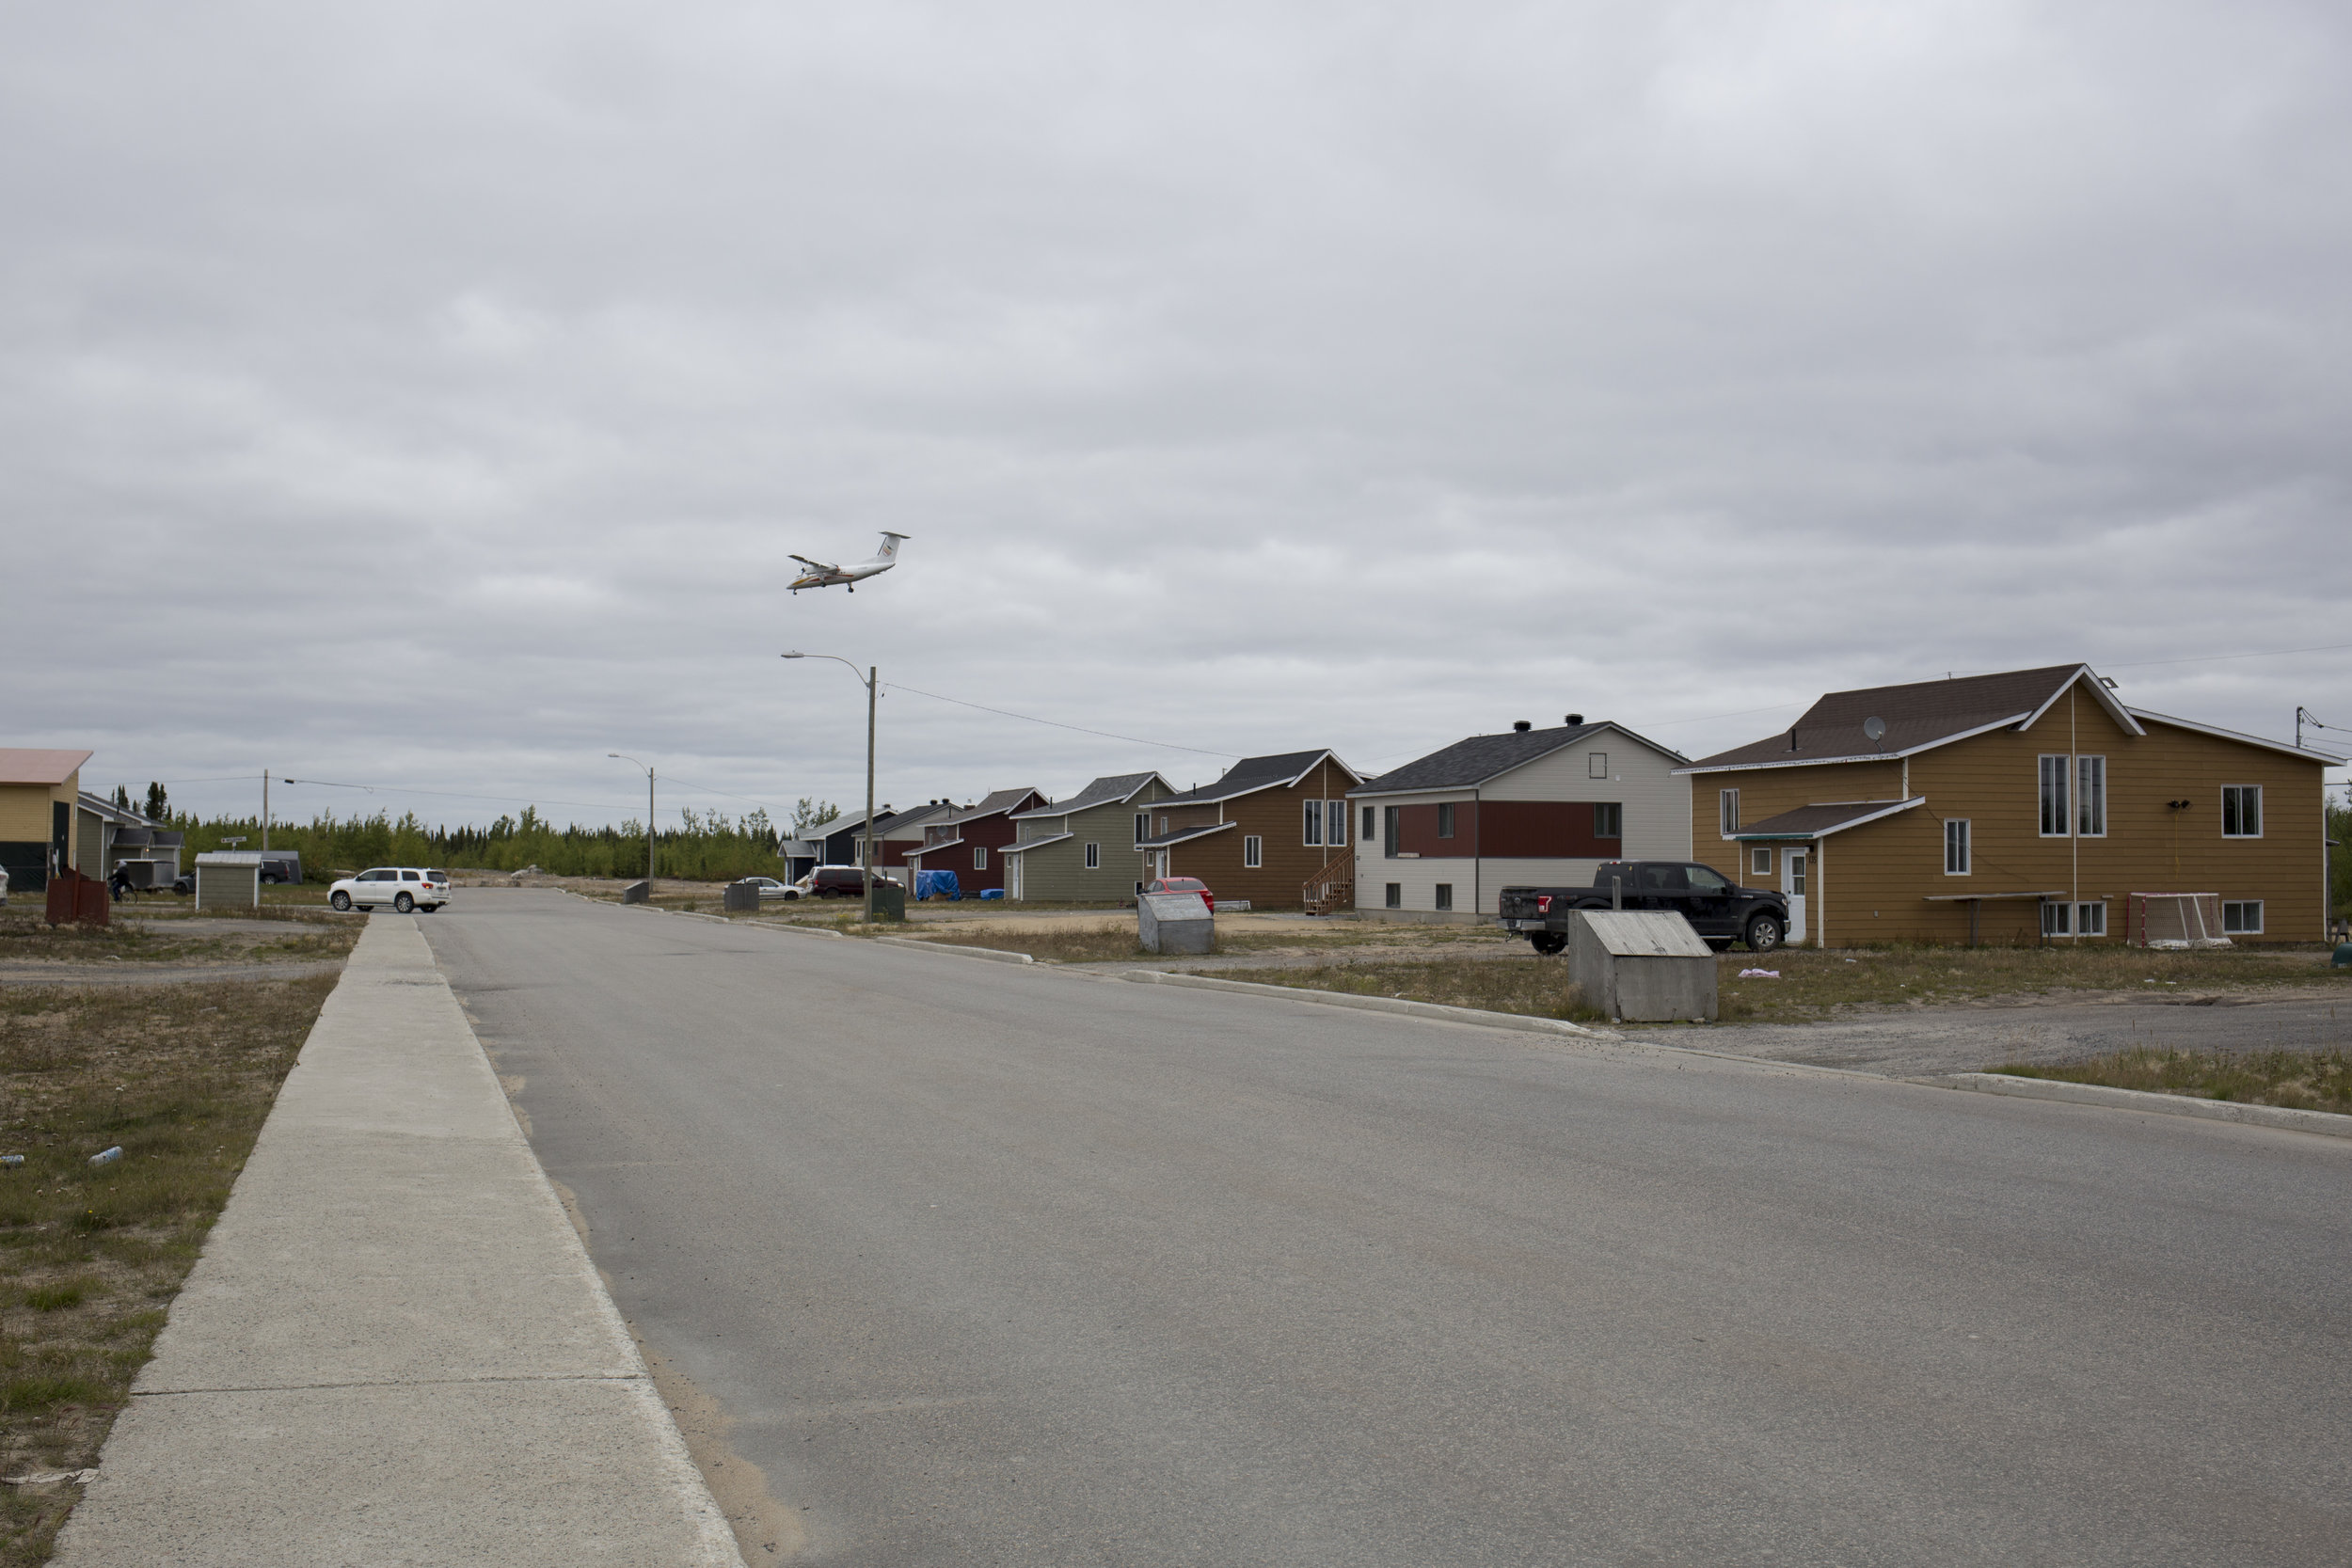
(1721, 911)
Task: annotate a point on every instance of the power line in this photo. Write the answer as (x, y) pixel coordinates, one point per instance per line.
(1031, 717)
(2216, 659)
(449, 793)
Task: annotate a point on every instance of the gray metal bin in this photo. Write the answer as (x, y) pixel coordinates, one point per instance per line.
(1642, 966)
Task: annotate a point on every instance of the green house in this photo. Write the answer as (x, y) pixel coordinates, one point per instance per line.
(1083, 849)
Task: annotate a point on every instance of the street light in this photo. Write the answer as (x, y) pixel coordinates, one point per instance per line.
(648, 767)
(867, 855)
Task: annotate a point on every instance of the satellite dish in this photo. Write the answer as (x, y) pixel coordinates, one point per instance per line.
(1875, 728)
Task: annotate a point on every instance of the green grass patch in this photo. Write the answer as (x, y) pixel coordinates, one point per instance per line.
(1538, 989)
(180, 1076)
(2295, 1080)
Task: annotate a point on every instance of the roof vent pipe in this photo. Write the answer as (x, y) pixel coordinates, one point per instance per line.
(1576, 719)
(1792, 737)
(1520, 726)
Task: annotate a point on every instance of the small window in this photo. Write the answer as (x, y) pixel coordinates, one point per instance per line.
(1094, 856)
(1388, 832)
(1163, 822)
(1337, 827)
(1445, 896)
(2054, 918)
(1759, 863)
(2053, 797)
(1956, 844)
(2243, 919)
(1143, 825)
(2241, 811)
(1395, 899)
(1727, 806)
(1445, 819)
(1253, 851)
(1608, 819)
(1314, 823)
(2091, 799)
(980, 860)
(1597, 764)
(2090, 920)
(1368, 829)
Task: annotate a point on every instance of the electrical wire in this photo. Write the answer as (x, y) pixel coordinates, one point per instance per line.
(1031, 717)
(448, 794)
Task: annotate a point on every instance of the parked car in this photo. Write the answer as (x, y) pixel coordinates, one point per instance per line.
(281, 866)
(769, 887)
(1182, 884)
(1720, 910)
(437, 878)
(186, 881)
(401, 887)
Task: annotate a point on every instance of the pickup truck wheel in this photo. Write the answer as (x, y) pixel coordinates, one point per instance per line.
(402, 902)
(341, 901)
(1764, 934)
(1548, 942)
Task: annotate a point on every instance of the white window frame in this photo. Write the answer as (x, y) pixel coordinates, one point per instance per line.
(2090, 796)
(979, 858)
(1094, 856)
(1143, 825)
(1728, 811)
(2091, 918)
(2052, 776)
(1312, 824)
(1959, 835)
(1335, 824)
(2056, 913)
(1252, 852)
(1760, 861)
(1443, 896)
(2243, 794)
(2242, 928)
(1595, 765)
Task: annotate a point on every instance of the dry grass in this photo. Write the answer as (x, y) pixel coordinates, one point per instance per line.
(1816, 985)
(1062, 947)
(1539, 988)
(2298, 1080)
(181, 1077)
(290, 936)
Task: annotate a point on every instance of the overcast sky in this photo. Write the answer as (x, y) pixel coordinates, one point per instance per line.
(430, 396)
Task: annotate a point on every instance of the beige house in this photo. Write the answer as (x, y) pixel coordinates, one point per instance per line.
(39, 793)
(2027, 806)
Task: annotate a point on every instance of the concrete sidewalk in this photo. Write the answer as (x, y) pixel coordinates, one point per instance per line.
(394, 1349)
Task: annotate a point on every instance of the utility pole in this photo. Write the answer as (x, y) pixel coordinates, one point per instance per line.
(265, 808)
(623, 756)
(873, 690)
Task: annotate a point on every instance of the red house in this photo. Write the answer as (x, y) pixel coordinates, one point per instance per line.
(971, 842)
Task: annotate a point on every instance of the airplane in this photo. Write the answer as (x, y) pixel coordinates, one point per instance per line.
(824, 575)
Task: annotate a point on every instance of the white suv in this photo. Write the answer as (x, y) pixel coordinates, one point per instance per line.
(403, 887)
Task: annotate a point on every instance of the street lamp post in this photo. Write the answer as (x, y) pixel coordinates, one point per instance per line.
(866, 858)
(648, 767)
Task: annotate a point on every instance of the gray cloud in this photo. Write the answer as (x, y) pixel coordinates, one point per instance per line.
(434, 397)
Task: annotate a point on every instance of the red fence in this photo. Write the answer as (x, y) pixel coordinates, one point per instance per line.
(79, 899)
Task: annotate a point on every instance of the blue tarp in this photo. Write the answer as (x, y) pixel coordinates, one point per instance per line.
(991, 893)
(937, 884)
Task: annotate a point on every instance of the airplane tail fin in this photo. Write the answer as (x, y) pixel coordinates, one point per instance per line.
(889, 551)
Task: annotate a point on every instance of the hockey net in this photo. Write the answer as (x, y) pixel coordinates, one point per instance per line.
(2175, 920)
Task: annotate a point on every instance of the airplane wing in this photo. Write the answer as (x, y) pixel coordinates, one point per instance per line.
(815, 565)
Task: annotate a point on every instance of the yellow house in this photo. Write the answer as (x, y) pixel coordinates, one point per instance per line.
(39, 790)
(2029, 805)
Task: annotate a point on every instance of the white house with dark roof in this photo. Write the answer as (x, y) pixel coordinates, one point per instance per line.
(1439, 837)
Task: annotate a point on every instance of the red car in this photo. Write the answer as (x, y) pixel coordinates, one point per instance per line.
(1182, 884)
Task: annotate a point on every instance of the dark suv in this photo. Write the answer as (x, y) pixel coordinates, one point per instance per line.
(836, 881)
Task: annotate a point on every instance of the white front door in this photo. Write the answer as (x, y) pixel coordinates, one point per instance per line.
(1159, 865)
(1012, 874)
(1793, 867)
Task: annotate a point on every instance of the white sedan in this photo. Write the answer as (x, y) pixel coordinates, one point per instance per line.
(769, 887)
(401, 887)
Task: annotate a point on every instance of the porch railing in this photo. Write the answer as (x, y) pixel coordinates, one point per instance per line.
(1333, 888)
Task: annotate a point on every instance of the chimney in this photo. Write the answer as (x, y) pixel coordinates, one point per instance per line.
(1520, 726)
(1576, 719)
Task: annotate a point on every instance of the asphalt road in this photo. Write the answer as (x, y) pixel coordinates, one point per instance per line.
(1005, 1265)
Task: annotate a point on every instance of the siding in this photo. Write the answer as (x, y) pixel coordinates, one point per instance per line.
(1278, 816)
(1057, 872)
(1876, 880)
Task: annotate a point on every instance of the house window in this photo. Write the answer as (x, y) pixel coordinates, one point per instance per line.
(1163, 822)
(1608, 819)
(2053, 796)
(2090, 799)
(1366, 835)
(1253, 851)
(1143, 825)
(1388, 832)
(2244, 919)
(1395, 898)
(2090, 920)
(1445, 819)
(1445, 896)
(2054, 917)
(980, 860)
(1597, 764)
(1337, 825)
(2241, 811)
(1759, 863)
(1956, 846)
(1314, 823)
(1094, 856)
(1727, 808)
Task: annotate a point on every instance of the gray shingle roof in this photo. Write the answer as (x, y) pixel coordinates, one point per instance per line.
(1479, 758)
(1917, 715)
(1251, 774)
(1102, 791)
(998, 801)
(1816, 820)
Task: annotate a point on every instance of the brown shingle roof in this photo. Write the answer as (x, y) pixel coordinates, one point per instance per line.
(1918, 716)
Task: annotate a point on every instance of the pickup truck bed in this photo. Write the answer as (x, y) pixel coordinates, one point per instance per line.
(1721, 911)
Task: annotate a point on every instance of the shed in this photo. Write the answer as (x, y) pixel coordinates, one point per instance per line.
(1643, 966)
(228, 878)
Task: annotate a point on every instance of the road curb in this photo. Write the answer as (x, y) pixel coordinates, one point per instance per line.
(2325, 1123)
(994, 955)
(1520, 1022)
